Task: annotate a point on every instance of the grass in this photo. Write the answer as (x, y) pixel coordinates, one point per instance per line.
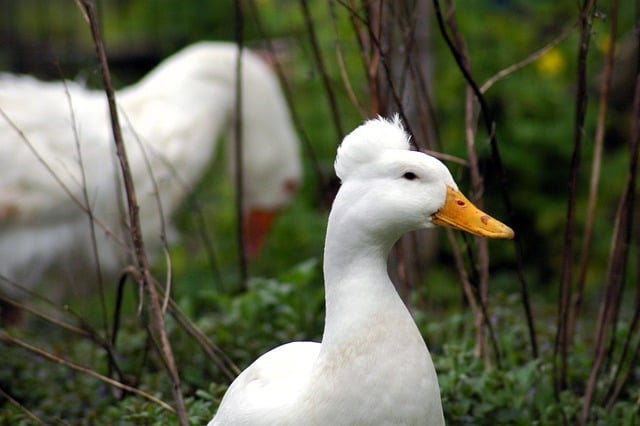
(271, 312)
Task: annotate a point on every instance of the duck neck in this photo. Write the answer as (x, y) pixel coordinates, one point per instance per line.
(357, 285)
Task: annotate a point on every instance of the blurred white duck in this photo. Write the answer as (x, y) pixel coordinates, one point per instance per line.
(176, 114)
(372, 367)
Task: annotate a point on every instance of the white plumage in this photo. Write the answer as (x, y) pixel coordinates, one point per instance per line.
(372, 367)
(173, 117)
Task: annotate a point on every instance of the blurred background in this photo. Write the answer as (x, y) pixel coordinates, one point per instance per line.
(492, 313)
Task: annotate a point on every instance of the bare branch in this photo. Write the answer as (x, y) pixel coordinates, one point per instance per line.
(618, 262)
(333, 104)
(346, 82)
(217, 355)
(59, 181)
(48, 318)
(157, 321)
(561, 346)
(495, 151)
(24, 409)
(89, 211)
(482, 264)
(238, 154)
(323, 182)
(595, 172)
(529, 59)
(8, 339)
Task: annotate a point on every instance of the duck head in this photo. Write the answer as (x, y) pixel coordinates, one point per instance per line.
(403, 190)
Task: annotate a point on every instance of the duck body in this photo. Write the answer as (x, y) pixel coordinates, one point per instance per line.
(171, 120)
(372, 366)
(364, 366)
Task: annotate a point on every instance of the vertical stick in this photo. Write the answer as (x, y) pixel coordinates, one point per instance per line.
(481, 244)
(618, 261)
(595, 172)
(157, 316)
(497, 158)
(561, 346)
(322, 180)
(238, 160)
(333, 104)
(618, 382)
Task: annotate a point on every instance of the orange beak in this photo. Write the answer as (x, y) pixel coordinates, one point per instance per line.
(458, 212)
(257, 225)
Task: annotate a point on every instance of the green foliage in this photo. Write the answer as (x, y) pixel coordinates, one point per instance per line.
(270, 312)
(520, 392)
(516, 395)
(471, 394)
(275, 311)
(534, 115)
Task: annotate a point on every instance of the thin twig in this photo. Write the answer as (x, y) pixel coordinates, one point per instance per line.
(217, 355)
(495, 151)
(90, 215)
(160, 207)
(321, 177)
(418, 69)
(366, 53)
(619, 378)
(384, 58)
(85, 330)
(474, 292)
(26, 308)
(613, 287)
(482, 265)
(374, 55)
(315, 47)
(562, 340)
(157, 319)
(8, 339)
(346, 82)
(463, 277)
(529, 59)
(595, 172)
(168, 280)
(374, 16)
(618, 260)
(622, 374)
(188, 192)
(238, 145)
(63, 186)
(24, 409)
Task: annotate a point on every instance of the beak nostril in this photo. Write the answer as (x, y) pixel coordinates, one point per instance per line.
(461, 203)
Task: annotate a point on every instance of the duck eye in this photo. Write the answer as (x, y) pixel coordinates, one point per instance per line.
(409, 176)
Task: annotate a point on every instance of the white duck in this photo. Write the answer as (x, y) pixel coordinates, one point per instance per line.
(372, 366)
(176, 114)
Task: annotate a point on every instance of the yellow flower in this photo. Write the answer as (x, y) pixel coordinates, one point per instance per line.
(551, 63)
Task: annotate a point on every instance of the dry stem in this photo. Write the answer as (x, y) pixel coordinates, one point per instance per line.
(157, 319)
(561, 346)
(10, 340)
(489, 125)
(595, 172)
